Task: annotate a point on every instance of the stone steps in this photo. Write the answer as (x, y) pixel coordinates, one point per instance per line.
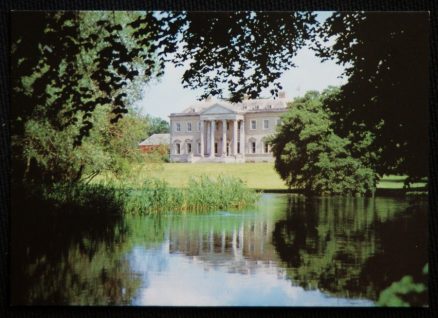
(229, 159)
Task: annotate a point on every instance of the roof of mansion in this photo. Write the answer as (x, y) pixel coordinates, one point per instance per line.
(245, 106)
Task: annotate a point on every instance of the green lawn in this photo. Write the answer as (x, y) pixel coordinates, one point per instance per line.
(256, 175)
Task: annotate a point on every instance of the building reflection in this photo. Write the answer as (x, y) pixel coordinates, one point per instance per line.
(241, 243)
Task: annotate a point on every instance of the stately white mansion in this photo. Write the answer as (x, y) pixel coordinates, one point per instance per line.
(219, 131)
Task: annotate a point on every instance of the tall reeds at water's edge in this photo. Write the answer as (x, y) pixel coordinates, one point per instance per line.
(201, 194)
(155, 196)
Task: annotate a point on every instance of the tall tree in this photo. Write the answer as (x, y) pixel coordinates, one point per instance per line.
(309, 156)
(65, 65)
(385, 56)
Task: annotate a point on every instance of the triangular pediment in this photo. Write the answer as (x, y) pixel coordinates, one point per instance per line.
(217, 109)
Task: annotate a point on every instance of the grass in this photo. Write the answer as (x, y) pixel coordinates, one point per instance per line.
(203, 194)
(261, 176)
(396, 182)
(254, 175)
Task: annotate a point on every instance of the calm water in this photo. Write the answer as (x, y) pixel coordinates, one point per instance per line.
(289, 251)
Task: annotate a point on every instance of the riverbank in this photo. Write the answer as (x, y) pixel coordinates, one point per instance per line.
(152, 196)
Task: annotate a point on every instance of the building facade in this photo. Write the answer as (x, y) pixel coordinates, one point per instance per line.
(155, 142)
(218, 131)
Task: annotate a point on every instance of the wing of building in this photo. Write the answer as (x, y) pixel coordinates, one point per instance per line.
(154, 142)
(219, 131)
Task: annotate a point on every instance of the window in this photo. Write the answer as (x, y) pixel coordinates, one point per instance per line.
(189, 148)
(228, 148)
(189, 126)
(199, 147)
(238, 147)
(253, 147)
(268, 107)
(278, 122)
(199, 126)
(178, 149)
(253, 124)
(178, 127)
(215, 147)
(228, 126)
(266, 124)
(266, 148)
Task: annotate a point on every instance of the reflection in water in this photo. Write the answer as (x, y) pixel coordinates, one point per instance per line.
(70, 260)
(352, 246)
(290, 251)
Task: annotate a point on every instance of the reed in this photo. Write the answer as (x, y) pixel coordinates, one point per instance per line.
(202, 194)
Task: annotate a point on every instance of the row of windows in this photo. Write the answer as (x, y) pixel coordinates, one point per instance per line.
(266, 125)
(189, 126)
(253, 148)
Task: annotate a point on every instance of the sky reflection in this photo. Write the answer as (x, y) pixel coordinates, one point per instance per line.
(174, 279)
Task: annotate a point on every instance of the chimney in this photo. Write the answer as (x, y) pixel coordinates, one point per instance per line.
(282, 94)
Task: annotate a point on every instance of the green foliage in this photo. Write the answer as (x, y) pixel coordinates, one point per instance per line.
(158, 126)
(385, 56)
(311, 157)
(73, 71)
(51, 156)
(404, 293)
(65, 199)
(154, 196)
(229, 51)
(224, 192)
(202, 194)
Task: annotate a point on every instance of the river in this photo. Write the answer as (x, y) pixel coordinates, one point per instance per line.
(289, 250)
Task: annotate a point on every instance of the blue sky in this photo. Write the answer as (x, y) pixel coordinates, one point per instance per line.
(167, 95)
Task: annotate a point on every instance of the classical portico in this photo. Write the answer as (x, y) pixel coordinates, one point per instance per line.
(221, 130)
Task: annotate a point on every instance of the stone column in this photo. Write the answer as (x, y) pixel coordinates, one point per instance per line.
(242, 137)
(224, 138)
(208, 136)
(201, 130)
(235, 137)
(212, 128)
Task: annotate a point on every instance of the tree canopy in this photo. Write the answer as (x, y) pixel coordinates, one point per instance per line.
(385, 55)
(66, 64)
(309, 156)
